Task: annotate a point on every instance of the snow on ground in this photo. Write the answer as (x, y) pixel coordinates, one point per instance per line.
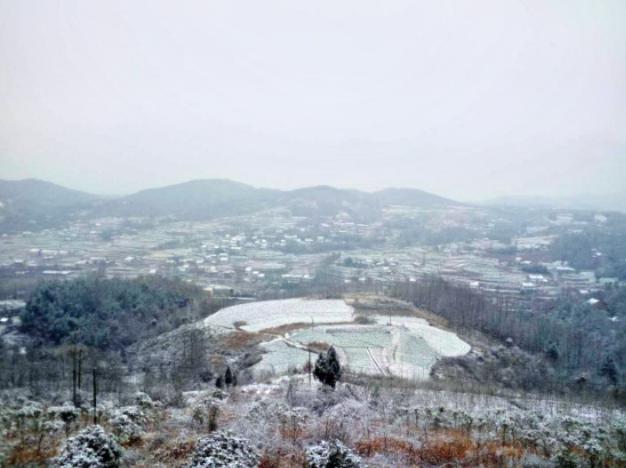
(269, 314)
(398, 345)
(281, 357)
(383, 349)
(445, 343)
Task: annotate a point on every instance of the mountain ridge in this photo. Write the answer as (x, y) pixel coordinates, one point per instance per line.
(36, 203)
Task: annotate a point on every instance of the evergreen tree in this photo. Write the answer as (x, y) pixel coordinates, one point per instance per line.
(228, 376)
(609, 370)
(553, 352)
(327, 368)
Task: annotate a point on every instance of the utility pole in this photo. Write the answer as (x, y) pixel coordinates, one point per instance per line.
(94, 385)
(309, 349)
(80, 368)
(74, 378)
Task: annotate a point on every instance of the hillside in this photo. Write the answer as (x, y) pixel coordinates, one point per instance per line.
(35, 204)
(613, 202)
(197, 199)
(411, 197)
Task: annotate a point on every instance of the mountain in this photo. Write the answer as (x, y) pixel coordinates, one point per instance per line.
(33, 192)
(196, 199)
(211, 198)
(35, 204)
(324, 200)
(32, 204)
(613, 202)
(412, 197)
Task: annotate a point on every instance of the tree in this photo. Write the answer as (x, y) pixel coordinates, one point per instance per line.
(228, 377)
(609, 370)
(219, 382)
(553, 352)
(327, 368)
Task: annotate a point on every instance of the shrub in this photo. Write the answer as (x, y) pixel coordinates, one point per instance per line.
(332, 455)
(90, 448)
(223, 449)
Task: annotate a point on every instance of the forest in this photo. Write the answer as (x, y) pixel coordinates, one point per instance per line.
(110, 313)
(585, 343)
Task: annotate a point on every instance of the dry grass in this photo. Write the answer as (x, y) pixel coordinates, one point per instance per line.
(386, 445)
(241, 340)
(282, 459)
(444, 447)
(318, 346)
(441, 450)
(170, 451)
(282, 329)
(27, 455)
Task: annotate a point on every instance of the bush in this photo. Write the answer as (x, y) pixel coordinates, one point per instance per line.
(332, 455)
(223, 449)
(90, 448)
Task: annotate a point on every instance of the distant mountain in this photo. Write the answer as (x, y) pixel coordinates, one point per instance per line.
(324, 200)
(35, 204)
(25, 193)
(197, 199)
(615, 202)
(412, 197)
(32, 204)
(205, 199)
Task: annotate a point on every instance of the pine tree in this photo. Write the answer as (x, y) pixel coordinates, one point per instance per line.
(609, 370)
(228, 376)
(327, 368)
(553, 352)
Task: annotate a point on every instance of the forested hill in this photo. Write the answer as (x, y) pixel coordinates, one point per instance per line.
(33, 204)
(111, 313)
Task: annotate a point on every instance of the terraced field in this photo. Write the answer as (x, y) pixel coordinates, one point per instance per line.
(403, 346)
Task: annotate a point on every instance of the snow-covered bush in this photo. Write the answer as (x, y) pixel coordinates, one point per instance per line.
(126, 430)
(206, 412)
(223, 449)
(128, 423)
(30, 409)
(90, 448)
(66, 413)
(144, 401)
(335, 455)
(27, 417)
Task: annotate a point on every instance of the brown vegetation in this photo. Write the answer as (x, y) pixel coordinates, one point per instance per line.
(241, 339)
(443, 447)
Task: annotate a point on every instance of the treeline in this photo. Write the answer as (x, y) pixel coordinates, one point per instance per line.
(602, 248)
(112, 313)
(584, 343)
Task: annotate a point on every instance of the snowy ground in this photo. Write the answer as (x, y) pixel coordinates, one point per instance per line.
(257, 316)
(445, 343)
(402, 346)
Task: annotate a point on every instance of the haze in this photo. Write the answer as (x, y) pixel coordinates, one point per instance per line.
(470, 99)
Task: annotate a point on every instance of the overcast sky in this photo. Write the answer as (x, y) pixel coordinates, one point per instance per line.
(469, 99)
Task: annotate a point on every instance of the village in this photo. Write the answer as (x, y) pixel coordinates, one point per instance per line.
(244, 256)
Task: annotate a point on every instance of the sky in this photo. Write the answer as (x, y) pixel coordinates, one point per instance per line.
(470, 99)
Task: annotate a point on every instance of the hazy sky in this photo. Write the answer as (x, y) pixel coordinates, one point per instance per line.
(469, 99)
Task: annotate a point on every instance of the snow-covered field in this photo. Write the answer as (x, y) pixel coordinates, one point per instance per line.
(443, 342)
(398, 345)
(369, 349)
(257, 316)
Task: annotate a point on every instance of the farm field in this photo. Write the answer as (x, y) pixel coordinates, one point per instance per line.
(257, 316)
(403, 346)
